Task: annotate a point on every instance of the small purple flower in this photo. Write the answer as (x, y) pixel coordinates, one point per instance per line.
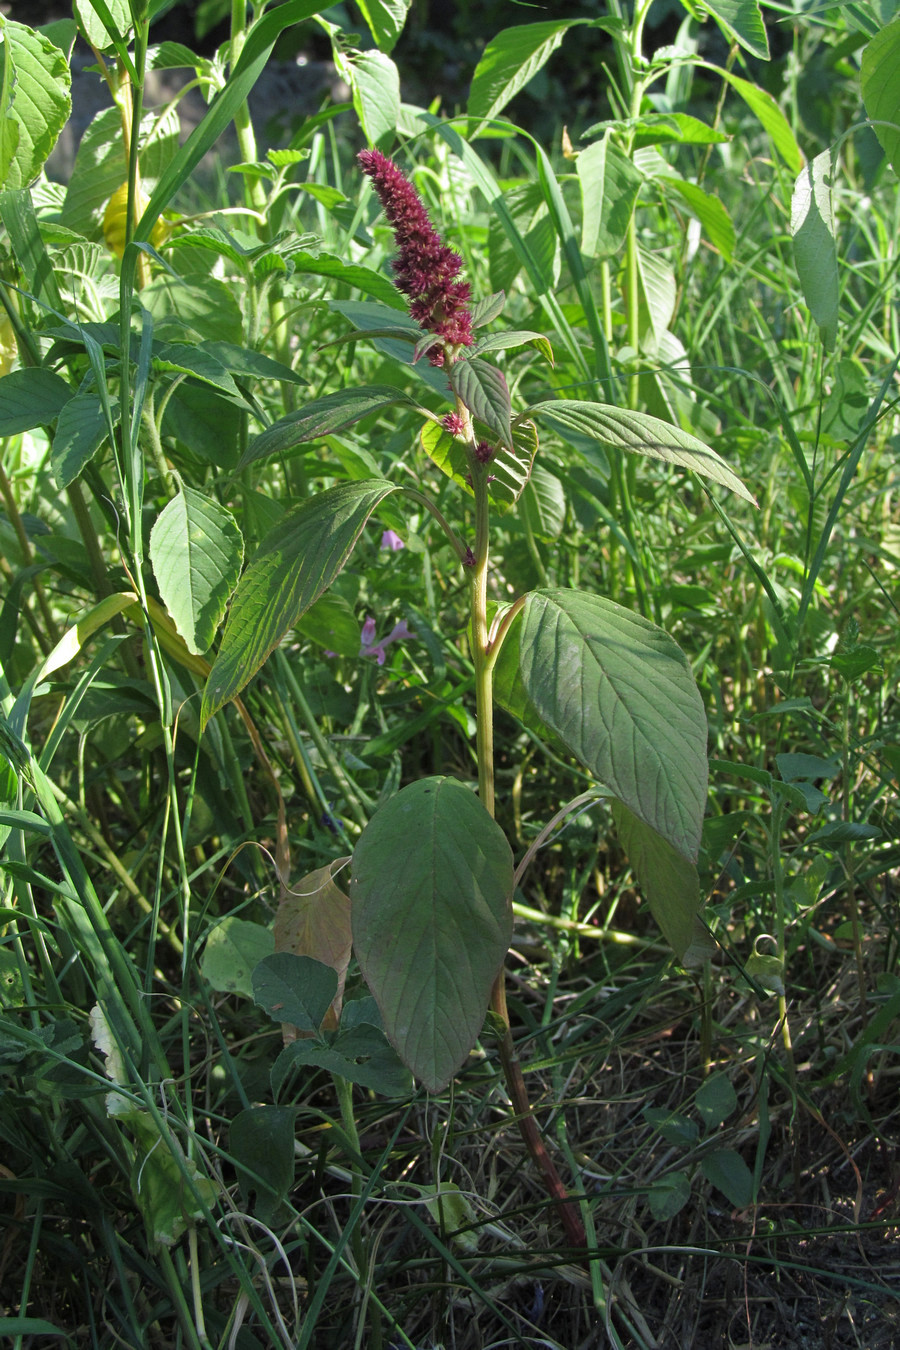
(484, 452)
(453, 423)
(391, 541)
(370, 647)
(425, 269)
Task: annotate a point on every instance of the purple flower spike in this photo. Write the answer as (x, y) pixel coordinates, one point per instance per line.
(426, 269)
(391, 541)
(453, 423)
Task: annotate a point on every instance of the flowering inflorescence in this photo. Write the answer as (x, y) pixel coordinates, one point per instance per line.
(426, 269)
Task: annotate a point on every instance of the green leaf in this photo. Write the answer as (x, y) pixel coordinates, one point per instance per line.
(715, 1100)
(668, 880)
(497, 342)
(298, 561)
(710, 212)
(620, 695)
(657, 292)
(30, 1326)
(196, 550)
(729, 1173)
(31, 398)
(332, 623)
(609, 187)
(544, 504)
(36, 104)
(880, 78)
(742, 21)
(385, 19)
(181, 359)
(815, 249)
(294, 990)
(484, 391)
(769, 115)
(81, 429)
(352, 274)
(511, 61)
(210, 311)
(642, 435)
(668, 1195)
(375, 82)
(93, 27)
(100, 166)
(431, 904)
(234, 948)
(794, 767)
(362, 1055)
(674, 128)
(674, 1127)
(323, 417)
(261, 1141)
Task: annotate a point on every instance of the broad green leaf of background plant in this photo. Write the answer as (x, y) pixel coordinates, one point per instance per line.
(510, 61)
(815, 250)
(880, 78)
(728, 1172)
(81, 429)
(297, 562)
(100, 165)
(296, 990)
(769, 115)
(196, 550)
(375, 82)
(742, 21)
(31, 398)
(362, 1055)
(323, 417)
(712, 215)
(431, 896)
(93, 27)
(668, 880)
(619, 693)
(544, 504)
(332, 624)
(36, 102)
(609, 187)
(385, 19)
(233, 950)
(642, 435)
(261, 1141)
(313, 919)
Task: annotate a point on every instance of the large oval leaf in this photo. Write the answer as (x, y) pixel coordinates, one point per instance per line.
(815, 246)
(880, 78)
(431, 909)
(299, 560)
(619, 693)
(196, 550)
(322, 417)
(668, 880)
(642, 435)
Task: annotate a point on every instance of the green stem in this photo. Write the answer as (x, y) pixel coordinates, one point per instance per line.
(484, 684)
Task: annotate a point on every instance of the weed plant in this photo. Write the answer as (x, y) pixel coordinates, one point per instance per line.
(221, 1125)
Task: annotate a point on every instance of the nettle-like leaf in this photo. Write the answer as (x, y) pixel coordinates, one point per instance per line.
(510, 61)
(431, 896)
(298, 561)
(484, 391)
(297, 990)
(196, 549)
(619, 694)
(323, 417)
(80, 431)
(31, 398)
(642, 435)
(742, 22)
(36, 102)
(609, 187)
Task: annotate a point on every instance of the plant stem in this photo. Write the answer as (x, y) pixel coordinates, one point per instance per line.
(484, 710)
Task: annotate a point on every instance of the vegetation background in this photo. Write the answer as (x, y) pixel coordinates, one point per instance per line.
(727, 1121)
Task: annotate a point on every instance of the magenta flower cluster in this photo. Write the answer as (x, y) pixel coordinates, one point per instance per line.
(426, 269)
